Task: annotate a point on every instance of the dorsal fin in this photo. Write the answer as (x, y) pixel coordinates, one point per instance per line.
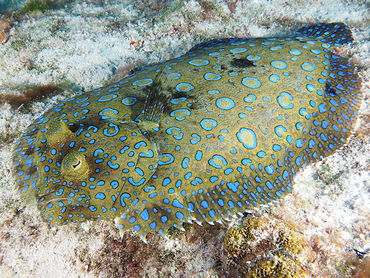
(334, 34)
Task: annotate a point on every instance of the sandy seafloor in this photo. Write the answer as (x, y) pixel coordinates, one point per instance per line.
(81, 45)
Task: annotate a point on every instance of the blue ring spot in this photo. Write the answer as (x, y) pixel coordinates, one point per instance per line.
(100, 196)
(303, 111)
(79, 101)
(129, 101)
(217, 161)
(284, 99)
(175, 130)
(174, 75)
(139, 183)
(310, 87)
(210, 76)
(185, 162)
(199, 62)
(225, 103)
(181, 114)
(124, 195)
(184, 87)
(113, 89)
(214, 53)
(308, 66)
(274, 78)
(247, 137)
(280, 128)
(169, 159)
(196, 139)
(250, 98)
(114, 184)
(238, 50)
(107, 97)
(253, 57)
(91, 208)
(295, 52)
(279, 64)
(251, 82)
(109, 132)
(107, 110)
(208, 124)
(143, 82)
(111, 165)
(275, 48)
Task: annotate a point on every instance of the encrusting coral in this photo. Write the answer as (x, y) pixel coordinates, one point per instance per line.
(265, 248)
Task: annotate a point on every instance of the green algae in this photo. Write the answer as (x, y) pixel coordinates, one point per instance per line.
(38, 6)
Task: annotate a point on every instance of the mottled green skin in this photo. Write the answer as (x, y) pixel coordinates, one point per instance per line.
(215, 132)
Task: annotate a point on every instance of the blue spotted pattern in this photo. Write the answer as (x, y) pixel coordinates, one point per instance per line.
(215, 132)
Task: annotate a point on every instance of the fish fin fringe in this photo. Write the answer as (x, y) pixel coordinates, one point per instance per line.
(334, 34)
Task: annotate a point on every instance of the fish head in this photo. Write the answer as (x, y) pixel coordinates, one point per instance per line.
(88, 172)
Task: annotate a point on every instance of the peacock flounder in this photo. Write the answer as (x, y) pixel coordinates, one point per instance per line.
(215, 132)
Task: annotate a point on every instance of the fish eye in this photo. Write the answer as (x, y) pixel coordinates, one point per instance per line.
(75, 166)
(58, 132)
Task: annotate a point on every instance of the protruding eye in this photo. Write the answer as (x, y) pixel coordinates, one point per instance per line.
(78, 163)
(75, 166)
(58, 132)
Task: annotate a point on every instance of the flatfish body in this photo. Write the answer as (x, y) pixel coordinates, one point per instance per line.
(202, 137)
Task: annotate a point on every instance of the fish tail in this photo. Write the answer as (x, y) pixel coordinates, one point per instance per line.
(334, 34)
